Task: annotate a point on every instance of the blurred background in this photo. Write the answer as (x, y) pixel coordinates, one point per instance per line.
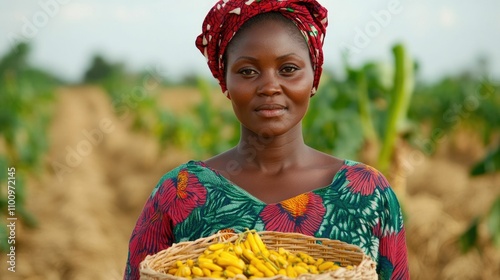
(98, 99)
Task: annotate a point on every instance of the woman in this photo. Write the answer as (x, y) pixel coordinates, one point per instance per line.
(267, 57)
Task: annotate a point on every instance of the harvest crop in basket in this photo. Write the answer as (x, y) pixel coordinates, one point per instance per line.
(250, 258)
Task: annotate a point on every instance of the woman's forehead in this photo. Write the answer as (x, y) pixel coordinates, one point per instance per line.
(270, 26)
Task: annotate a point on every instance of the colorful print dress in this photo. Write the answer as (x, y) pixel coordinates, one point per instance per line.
(194, 201)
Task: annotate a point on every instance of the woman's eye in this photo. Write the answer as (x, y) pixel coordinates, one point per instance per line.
(289, 69)
(247, 72)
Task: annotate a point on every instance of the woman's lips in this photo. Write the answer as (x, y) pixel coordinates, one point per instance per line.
(270, 110)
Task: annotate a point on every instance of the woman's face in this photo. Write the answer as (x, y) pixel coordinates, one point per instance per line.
(269, 78)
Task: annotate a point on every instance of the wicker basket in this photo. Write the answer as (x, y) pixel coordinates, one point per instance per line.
(153, 267)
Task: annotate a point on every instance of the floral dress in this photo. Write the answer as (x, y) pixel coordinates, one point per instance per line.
(194, 201)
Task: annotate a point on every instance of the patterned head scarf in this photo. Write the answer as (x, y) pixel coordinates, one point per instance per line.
(227, 16)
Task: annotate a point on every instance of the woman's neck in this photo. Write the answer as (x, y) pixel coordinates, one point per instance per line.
(271, 153)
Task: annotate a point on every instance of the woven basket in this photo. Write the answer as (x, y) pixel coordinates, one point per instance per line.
(154, 267)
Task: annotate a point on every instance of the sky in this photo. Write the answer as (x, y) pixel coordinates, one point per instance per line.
(444, 36)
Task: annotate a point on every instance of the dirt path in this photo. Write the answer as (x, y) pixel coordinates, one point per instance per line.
(99, 176)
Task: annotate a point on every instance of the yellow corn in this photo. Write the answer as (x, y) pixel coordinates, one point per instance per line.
(217, 274)
(271, 267)
(246, 244)
(178, 273)
(228, 256)
(249, 255)
(206, 272)
(283, 251)
(185, 271)
(252, 270)
(300, 269)
(205, 259)
(260, 244)
(224, 261)
(238, 250)
(228, 274)
(312, 269)
(197, 271)
(250, 258)
(291, 272)
(278, 259)
(282, 271)
(319, 261)
(251, 242)
(303, 264)
(216, 246)
(235, 270)
(326, 265)
(262, 268)
(210, 266)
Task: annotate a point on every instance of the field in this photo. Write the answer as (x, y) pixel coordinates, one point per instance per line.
(98, 173)
(87, 156)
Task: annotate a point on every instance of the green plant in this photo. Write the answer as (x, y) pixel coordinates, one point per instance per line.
(26, 97)
(399, 101)
(470, 237)
(489, 164)
(366, 111)
(464, 100)
(215, 129)
(333, 122)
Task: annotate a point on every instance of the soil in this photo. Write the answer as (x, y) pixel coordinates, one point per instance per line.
(99, 174)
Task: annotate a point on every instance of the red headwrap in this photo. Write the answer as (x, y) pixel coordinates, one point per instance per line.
(227, 16)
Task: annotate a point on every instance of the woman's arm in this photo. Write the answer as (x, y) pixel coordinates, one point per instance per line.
(152, 232)
(393, 256)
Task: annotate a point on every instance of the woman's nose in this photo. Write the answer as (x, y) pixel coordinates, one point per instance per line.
(269, 84)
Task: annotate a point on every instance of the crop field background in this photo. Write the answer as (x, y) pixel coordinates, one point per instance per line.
(84, 157)
(87, 155)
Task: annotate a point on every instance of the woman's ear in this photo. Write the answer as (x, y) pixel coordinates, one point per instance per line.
(313, 92)
(226, 93)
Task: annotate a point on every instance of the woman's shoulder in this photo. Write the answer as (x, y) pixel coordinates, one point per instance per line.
(363, 179)
(361, 165)
(191, 166)
(182, 173)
